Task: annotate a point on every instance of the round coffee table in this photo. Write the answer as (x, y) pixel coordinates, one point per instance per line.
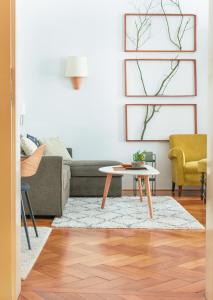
(140, 173)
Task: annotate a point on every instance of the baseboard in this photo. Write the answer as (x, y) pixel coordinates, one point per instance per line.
(165, 190)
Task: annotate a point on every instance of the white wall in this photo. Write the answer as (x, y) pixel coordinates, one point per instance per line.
(91, 120)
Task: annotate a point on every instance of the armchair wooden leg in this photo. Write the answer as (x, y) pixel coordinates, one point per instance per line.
(180, 188)
(173, 187)
(202, 187)
(205, 187)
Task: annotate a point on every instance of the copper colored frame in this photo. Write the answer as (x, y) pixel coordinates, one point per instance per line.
(160, 59)
(126, 119)
(161, 15)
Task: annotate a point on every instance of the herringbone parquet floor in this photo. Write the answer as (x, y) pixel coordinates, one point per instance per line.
(91, 264)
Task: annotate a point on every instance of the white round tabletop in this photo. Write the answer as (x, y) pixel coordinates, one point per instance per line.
(119, 170)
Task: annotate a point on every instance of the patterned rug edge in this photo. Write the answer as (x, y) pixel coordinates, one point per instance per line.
(200, 227)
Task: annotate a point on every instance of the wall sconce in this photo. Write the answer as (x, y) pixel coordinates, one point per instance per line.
(76, 68)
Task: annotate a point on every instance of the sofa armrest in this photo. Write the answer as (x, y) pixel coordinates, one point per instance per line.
(51, 164)
(46, 186)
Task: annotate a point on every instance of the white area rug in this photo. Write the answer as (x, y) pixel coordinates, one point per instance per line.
(126, 212)
(29, 257)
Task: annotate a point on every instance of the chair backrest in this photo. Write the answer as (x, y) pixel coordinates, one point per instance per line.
(194, 146)
(29, 166)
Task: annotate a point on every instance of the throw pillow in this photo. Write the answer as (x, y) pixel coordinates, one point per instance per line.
(33, 139)
(28, 146)
(55, 147)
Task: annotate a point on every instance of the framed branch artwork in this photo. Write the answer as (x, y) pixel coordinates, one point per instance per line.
(160, 77)
(156, 122)
(160, 32)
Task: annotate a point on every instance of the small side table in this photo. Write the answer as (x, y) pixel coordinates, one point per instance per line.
(140, 174)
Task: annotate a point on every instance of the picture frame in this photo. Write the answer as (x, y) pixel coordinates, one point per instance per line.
(182, 27)
(157, 77)
(166, 120)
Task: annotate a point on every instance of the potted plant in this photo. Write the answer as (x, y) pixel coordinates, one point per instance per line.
(138, 159)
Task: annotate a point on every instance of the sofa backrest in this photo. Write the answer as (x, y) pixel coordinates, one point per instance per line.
(194, 146)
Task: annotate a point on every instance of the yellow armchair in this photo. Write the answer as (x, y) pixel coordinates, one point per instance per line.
(186, 150)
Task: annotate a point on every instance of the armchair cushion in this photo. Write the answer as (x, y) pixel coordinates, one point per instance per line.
(202, 165)
(191, 167)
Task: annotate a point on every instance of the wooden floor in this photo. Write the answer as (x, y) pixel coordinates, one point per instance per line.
(92, 264)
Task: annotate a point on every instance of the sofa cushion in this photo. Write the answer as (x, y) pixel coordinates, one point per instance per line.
(191, 167)
(28, 146)
(33, 139)
(55, 147)
(89, 168)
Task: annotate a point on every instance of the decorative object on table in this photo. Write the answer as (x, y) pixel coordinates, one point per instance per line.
(154, 120)
(142, 31)
(29, 167)
(126, 165)
(144, 173)
(186, 150)
(126, 212)
(160, 77)
(138, 159)
(150, 159)
(76, 68)
(28, 258)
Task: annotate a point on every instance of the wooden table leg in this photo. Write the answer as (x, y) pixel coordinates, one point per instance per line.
(140, 188)
(149, 195)
(106, 189)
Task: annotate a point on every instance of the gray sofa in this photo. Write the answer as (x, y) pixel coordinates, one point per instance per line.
(57, 180)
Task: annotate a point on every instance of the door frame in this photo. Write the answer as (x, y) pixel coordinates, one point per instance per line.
(9, 282)
(209, 206)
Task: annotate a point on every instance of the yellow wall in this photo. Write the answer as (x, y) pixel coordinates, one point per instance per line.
(8, 283)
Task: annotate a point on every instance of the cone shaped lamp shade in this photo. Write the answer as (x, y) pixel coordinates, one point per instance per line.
(76, 68)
